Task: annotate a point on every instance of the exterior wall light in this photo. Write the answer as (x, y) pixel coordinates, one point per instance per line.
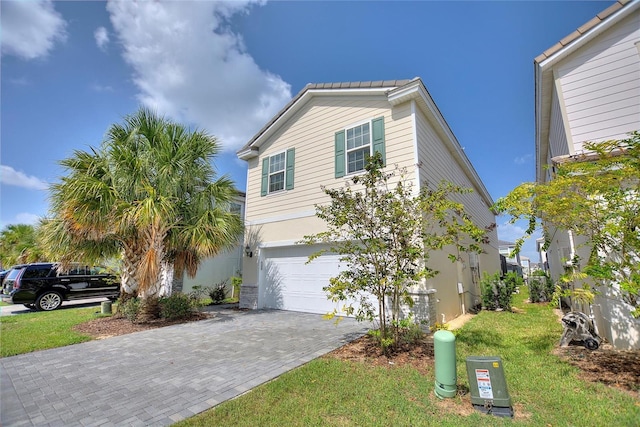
(248, 252)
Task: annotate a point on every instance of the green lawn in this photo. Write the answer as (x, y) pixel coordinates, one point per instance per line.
(29, 332)
(545, 390)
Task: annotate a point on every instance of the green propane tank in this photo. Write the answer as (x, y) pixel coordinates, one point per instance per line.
(444, 349)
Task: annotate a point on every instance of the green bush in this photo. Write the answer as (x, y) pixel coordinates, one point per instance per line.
(198, 292)
(236, 282)
(541, 288)
(176, 306)
(130, 308)
(496, 293)
(218, 292)
(409, 330)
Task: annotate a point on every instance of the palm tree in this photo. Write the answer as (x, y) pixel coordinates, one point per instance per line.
(149, 192)
(18, 245)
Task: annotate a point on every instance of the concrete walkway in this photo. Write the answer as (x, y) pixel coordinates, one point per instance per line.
(160, 376)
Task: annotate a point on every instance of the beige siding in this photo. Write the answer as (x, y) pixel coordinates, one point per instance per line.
(557, 136)
(311, 132)
(437, 164)
(601, 85)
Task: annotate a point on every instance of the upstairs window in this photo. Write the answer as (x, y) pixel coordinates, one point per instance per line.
(355, 144)
(277, 172)
(358, 147)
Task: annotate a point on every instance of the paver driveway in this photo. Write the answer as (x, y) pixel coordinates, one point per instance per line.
(160, 376)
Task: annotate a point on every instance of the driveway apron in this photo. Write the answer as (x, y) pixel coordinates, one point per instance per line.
(160, 376)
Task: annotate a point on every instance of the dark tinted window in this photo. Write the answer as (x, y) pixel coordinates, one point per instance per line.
(13, 274)
(36, 271)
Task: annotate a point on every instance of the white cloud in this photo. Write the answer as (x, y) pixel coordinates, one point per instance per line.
(512, 232)
(30, 29)
(101, 88)
(102, 37)
(26, 218)
(189, 65)
(10, 176)
(523, 159)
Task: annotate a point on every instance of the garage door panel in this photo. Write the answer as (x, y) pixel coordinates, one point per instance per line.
(289, 283)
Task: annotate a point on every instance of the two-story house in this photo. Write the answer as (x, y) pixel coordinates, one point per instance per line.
(587, 88)
(321, 138)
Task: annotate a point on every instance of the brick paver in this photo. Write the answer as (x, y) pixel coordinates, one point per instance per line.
(159, 376)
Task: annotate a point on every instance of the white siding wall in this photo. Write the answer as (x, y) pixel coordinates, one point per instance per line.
(601, 85)
(557, 136)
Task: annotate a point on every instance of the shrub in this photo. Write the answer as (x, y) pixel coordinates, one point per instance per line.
(130, 308)
(408, 330)
(176, 306)
(218, 292)
(197, 292)
(236, 282)
(541, 288)
(498, 294)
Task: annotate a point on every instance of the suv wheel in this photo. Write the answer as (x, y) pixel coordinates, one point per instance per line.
(48, 301)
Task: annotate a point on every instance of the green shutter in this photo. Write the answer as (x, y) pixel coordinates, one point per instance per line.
(291, 156)
(340, 153)
(378, 137)
(265, 177)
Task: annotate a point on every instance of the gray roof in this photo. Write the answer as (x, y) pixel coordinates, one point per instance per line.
(581, 30)
(342, 85)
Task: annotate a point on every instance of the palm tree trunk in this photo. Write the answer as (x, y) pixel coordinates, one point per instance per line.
(167, 276)
(130, 261)
(149, 272)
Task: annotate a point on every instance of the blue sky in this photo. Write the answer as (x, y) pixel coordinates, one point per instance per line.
(70, 69)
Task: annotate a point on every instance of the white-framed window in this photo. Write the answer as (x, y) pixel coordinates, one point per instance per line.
(358, 140)
(276, 172)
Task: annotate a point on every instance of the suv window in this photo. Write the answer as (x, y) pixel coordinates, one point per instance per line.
(13, 273)
(36, 271)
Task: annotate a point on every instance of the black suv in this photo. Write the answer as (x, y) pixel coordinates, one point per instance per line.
(43, 287)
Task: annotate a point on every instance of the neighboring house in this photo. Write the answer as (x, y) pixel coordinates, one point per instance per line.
(588, 89)
(544, 265)
(321, 138)
(220, 268)
(511, 259)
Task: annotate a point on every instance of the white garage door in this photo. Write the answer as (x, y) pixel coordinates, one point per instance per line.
(288, 283)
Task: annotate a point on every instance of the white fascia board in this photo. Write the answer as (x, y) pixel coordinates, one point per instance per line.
(539, 141)
(247, 154)
(594, 32)
(280, 244)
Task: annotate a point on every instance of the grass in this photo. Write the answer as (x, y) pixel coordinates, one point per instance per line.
(545, 391)
(29, 332)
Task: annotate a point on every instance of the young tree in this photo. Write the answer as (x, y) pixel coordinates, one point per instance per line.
(151, 194)
(597, 196)
(385, 234)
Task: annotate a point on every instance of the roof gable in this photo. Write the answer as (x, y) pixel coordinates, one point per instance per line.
(316, 89)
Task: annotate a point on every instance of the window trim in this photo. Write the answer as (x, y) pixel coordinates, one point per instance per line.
(289, 170)
(283, 171)
(347, 150)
